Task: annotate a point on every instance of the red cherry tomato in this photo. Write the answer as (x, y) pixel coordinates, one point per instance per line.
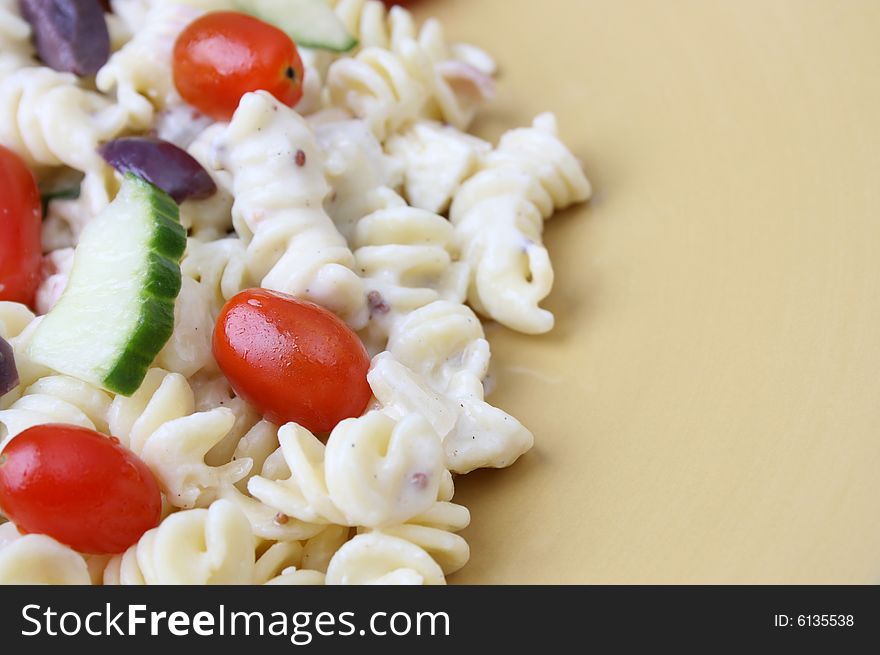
(79, 487)
(292, 360)
(20, 215)
(221, 56)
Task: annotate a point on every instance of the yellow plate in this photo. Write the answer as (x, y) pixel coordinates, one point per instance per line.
(707, 408)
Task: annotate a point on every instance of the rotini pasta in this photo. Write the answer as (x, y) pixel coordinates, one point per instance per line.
(456, 79)
(188, 351)
(14, 318)
(387, 90)
(499, 214)
(378, 558)
(319, 550)
(375, 26)
(295, 247)
(38, 559)
(159, 423)
(406, 257)
(267, 522)
(313, 85)
(55, 399)
(219, 266)
(441, 341)
(176, 452)
(361, 176)
(196, 546)
(260, 444)
(475, 434)
(162, 397)
(212, 390)
(374, 472)
(436, 160)
(277, 558)
(211, 218)
(16, 50)
(434, 532)
(49, 121)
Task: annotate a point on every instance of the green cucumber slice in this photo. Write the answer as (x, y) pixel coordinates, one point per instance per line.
(310, 23)
(117, 311)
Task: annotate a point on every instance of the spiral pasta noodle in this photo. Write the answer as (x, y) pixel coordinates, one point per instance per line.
(16, 50)
(188, 350)
(386, 89)
(275, 559)
(376, 26)
(374, 471)
(295, 247)
(260, 445)
(212, 390)
(499, 214)
(160, 423)
(373, 25)
(218, 266)
(196, 546)
(434, 532)
(14, 318)
(436, 361)
(176, 453)
(38, 559)
(456, 80)
(49, 121)
(360, 175)
(210, 218)
(55, 399)
(406, 257)
(378, 558)
(436, 159)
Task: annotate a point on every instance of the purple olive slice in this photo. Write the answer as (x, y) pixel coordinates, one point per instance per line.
(8, 371)
(170, 168)
(70, 35)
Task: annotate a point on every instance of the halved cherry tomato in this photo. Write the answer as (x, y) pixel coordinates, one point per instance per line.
(79, 487)
(293, 360)
(223, 55)
(20, 223)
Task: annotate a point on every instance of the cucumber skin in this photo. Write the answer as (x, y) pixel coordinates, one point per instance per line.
(156, 321)
(154, 327)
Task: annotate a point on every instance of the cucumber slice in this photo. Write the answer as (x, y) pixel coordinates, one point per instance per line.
(117, 311)
(310, 23)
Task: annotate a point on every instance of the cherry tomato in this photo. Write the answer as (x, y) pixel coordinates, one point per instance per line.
(20, 216)
(79, 487)
(293, 360)
(222, 55)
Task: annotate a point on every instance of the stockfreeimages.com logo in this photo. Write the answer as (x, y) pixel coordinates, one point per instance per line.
(299, 627)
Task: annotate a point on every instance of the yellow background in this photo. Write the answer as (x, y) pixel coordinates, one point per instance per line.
(707, 408)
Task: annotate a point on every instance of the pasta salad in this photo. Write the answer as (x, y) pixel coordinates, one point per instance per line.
(246, 252)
